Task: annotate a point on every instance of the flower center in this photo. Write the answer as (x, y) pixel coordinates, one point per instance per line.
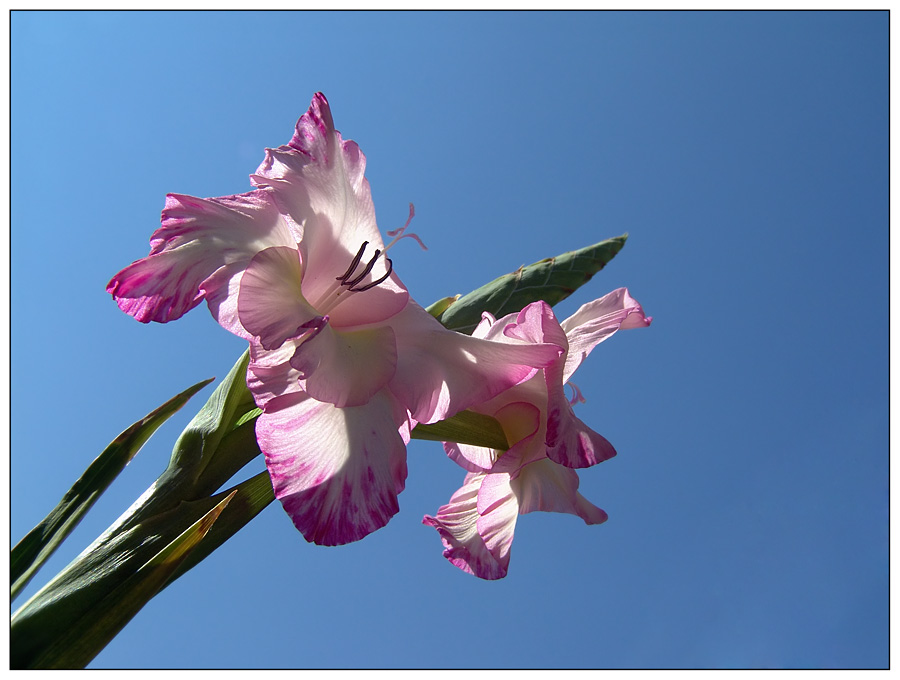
(352, 282)
(349, 281)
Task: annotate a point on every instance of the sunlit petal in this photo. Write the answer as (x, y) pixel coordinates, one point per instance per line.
(336, 471)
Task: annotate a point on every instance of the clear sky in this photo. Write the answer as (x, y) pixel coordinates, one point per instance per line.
(746, 154)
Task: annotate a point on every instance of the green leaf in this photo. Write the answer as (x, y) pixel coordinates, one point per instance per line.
(208, 453)
(437, 308)
(466, 427)
(76, 599)
(82, 641)
(37, 546)
(198, 444)
(250, 415)
(551, 280)
(248, 499)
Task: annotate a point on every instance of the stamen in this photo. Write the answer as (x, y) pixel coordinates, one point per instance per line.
(334, 293)
(365, 273)
(390, 268)
(343, 277)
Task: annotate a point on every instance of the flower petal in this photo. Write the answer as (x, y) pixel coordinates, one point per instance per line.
(470, 458)
(521, 423)
(336, 471)
(569, 441)
(327, 176)
(319, 180)
(595, 321)
(440, 372)
(549, 487)
(271, 305)
(535, 324)
(270, 374)
(362, 307)
(346, 368)
(197, 238)
(498, 509)
(456, 523)
(221, 292)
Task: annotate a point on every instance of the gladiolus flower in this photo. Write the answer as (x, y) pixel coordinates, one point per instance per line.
(343, 362)
(546, 438)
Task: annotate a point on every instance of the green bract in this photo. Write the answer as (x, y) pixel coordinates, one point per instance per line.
(551, 280)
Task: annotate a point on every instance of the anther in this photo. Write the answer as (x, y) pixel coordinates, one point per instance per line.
(343, 277)
(390, 268)
(365, 272)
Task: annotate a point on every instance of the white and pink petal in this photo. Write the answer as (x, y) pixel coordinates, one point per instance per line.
(535, 324)
(549, 487)
(440, 372)
(572, 443)
(457, 525)
(270, 304)
(595, 321)
(198, 237)
(319, 180)
(346, 368)
(469, 457)
(336, 471)
(521, 423)
(270, 374)
(498, 509)
(568, 440)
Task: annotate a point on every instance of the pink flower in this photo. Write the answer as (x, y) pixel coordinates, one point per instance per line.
(546, 438)
(342, 362)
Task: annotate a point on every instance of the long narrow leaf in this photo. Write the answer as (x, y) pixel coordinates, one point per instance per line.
(83, 641)
(37, 546)
(552, 280)
(206, 456)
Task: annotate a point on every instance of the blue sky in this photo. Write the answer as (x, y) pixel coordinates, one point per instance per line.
(746, 154)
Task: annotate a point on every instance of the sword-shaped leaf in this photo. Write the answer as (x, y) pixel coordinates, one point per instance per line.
(37, 546)
(100, 624)
(178, 498)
